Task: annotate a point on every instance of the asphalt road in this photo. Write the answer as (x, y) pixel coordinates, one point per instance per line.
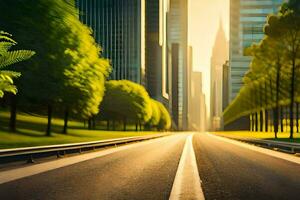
(147, 171)
(143, 172)
(231, 172)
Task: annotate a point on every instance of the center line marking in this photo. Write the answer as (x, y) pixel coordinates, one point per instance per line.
(187, 183)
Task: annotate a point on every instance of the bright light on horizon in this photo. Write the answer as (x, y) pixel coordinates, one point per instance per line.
(204, 17)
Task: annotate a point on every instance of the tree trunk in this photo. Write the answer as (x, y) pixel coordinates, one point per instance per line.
(94, 122)
(90, 123)
(276, 111)
(297, 117)
(49, 124)
(256, 121)
(66, 118)
(281, 119)
(266, 121)
(286, 119)
(13, 113)
(261, 120)
(136, 126)
(107, 125)
(124, 124)
(114, 124)
(292, 95)
(251, 122)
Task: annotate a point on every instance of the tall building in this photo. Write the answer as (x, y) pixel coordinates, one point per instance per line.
(225, 86)
(219, 56)
(177, 39)
(119, 27)
(190, 89)
(197, 107)
(247, 19)
(156, 47)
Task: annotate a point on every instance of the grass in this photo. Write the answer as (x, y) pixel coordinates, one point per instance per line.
(261, 135)
(31, 132)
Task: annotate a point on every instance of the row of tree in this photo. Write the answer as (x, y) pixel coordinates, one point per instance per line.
(271, 84)
(129, 102)
(67, 75)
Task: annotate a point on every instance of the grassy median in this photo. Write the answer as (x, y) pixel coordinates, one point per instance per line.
(31, 132)
(260, 135)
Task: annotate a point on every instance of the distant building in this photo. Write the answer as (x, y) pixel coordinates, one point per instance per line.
(177, 38)
(119, 27)
(197, 107)
(219, 56)
(225, 86)
(247, 19)
(189, 87)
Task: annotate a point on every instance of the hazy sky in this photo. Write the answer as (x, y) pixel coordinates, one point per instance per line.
(204, 17)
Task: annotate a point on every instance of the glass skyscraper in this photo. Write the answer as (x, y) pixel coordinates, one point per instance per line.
(177, 38)
(247, 19)
(118, 27)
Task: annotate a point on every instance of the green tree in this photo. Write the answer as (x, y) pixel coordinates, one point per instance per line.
(285, 27)
(156, 114)
(127, 101)
(165, 118)
(68, 73)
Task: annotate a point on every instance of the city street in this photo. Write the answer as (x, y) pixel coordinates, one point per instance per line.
(152, 170)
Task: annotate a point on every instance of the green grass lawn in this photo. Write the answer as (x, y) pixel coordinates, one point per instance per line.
(31, 132)
(260, 135)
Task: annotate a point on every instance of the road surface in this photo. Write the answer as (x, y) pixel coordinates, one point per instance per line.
(149, 170)
(232, 172)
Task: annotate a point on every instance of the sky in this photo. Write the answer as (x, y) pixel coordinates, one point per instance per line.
(204, 18)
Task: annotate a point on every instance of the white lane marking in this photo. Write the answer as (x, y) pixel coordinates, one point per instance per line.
(269, 152)
(14, 174)
(187, 183)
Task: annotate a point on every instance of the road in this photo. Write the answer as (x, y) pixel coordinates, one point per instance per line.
(149, 170)
(232, 172)
(143, 172)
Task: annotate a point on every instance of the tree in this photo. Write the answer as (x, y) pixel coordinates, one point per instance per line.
(68, 73)
(156, 114)
(9, 58)
(285, 27)
(165, 119)
(127, 101)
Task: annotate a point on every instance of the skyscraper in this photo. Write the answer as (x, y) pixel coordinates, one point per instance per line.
(156, 47)
(247, 19)
(197, 108)
(119, 27)
(225, 86)
(177, 39)
(219, 56)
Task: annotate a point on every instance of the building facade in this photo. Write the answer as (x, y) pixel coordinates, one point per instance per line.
(219, 56)
(197, 107)
(247, 19)
(177, 40)
(225, 86)
(156, 48)
(119, 28)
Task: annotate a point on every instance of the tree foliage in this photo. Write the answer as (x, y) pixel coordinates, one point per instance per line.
(272, 80)
(165, 118)
(126, 100)
(68, 71)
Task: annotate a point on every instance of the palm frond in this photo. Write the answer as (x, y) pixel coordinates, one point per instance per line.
(13, 57)
(6, 37)
(4, 47)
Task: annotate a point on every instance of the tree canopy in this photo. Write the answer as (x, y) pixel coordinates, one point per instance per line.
(126, 100)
